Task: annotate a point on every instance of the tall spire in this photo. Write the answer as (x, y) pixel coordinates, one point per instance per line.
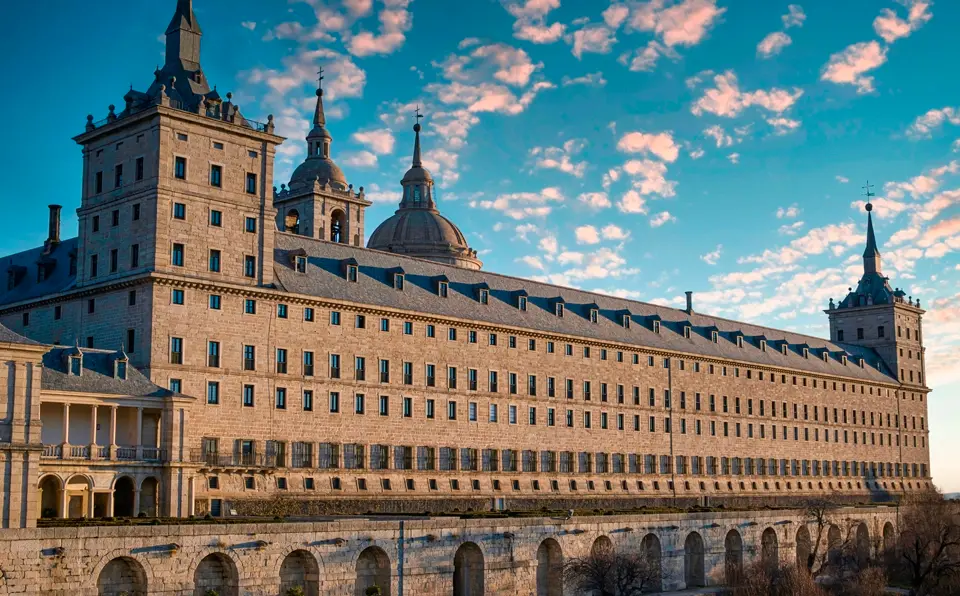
(416, 143)
(319, 119)
(871, 254)
(183, 37)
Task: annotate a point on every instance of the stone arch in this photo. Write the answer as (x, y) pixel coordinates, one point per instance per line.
(862, 538)
(804, 548)
(79, 492)
(650, 547)
(299, 569)
(834, 544)
(51, 493)
(338, 227)
(601, 545)
(549, 568)
(216, 571)
(733, 557)
(149, 497)
(124, 488)
(122, 575)
(468, 570)
(889, 543)
(373, 569)
(291, 221)
(693, 564)
(769, 556)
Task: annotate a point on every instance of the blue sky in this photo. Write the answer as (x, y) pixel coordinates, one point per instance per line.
(640, 148)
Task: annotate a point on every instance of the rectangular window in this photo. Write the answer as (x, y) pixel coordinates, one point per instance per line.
(213, 354)
(216, 218)
(281, 399)
(430, 411)
(308, 364)
(407, 407)
(176, 350)
(451, 410)
(384, 405)
(214, 261)
(281, 361)
(138, 170)
(358, 403)
(282, 311)
(249, 266)
(334, 366)
(176, 258)
(214, 301)
(213, 392)
(308, 314)
(216, 176)
(98, 183)
(94, 262)
(384, 371)
(250, 225)
(179, 211)
(334, 402)
(134, 256)
(248, 396)
(114, 260)
(249, 358)
(251, 183)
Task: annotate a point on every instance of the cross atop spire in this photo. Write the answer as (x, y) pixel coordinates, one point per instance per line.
(183, 38)
(320, 80)
(871, 254)
(416, 144)
(319, 118)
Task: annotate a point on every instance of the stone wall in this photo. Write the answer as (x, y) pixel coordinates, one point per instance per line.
(422, 556)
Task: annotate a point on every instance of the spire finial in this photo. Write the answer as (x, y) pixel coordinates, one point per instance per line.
(869, 195)
(871, 254)
(320, 80)
(416, 144)
(319, 118)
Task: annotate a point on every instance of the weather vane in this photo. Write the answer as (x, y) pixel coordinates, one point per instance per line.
(868, 194)
(419, 115)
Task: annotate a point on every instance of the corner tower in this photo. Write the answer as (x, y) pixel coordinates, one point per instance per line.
(318, 201)
(877, 316)
(417, 229)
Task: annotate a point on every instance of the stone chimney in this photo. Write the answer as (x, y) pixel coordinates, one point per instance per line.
(53, 228)
(689, 303)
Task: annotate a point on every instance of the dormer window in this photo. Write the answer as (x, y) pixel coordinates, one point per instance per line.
(826, 356)
(559, 309)
(806, 353)
(522, 303)
(763, 345)
(626, 320)
(686, 331)
(783, 349)
(484, 296)
(843, 359)
(76, 365)
(656, 327)
(594, 315)
(120, 369)
(862, 362)
(352, 273)
(398, 281)
(714, 336)
(301, 264)
(739, 341)
(443, 289)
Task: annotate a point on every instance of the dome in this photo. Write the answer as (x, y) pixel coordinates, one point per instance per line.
(426, 234)
(319, 168)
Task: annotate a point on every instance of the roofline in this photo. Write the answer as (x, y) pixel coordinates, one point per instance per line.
(87, 136)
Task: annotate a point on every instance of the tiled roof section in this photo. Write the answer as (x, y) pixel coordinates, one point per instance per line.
(57, 279)
(11, 337)
(325, 279)
(97, 376)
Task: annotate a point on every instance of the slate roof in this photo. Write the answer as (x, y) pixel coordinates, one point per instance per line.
(97, 375)
(12, 337)
(324, 278)
(58, 277)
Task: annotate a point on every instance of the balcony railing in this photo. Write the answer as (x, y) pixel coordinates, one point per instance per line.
(102, 452)
(52, 451)
(234, 460)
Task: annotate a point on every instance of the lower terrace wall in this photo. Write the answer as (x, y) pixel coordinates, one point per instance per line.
(423, 556)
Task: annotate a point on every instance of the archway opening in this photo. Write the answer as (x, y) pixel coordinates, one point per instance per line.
(79, 494)
(149, 497)
(291, 222)
(650, 547)
(889, 544)
(50, 496)
(468, 570)
(863, 544)
(834, 543)
(693, 565)
(601, 546)
(804, 548)
(733, 557)
(216, 572)
(300, 570)
(769, 556)
(373, 569)
(122, 576)
(549, 568)
(338, 227)
(123, 490)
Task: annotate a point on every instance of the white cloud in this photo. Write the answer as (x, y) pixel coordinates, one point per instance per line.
(360, 159)
(614, 232)
(561, 158)
(842, 179)
(593, 39)
(594, 79)
(379, 141)
(660, 144)
(713, 257)
(697, 153)
(587, 235)
(251, 25)
(924, 125)
(523, 230)
(782, 126)
(684, 23)
(891, 27)
(395, 21)
(849, 66)
(530, 24)
(632, 202)
(727, 100)
(523, 205)
(773, 44)
(378, 195)
(661, 218)
(533, 262)
(734, 158)
(649, 177)
(719, 135)
(790, 212)
(358, 8)
(615, 15)
(790, 229)
(794, 17)
(595, 200)
(549, 244)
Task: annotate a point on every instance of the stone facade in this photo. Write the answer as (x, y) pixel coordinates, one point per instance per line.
(425, 556)
(333, 374)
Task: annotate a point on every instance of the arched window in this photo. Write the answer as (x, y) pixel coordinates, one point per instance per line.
(338, 227)
(292, 221)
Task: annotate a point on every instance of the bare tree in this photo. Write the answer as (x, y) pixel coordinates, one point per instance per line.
(820, 513)
(607, 571)
(929, 544)
(775, 580)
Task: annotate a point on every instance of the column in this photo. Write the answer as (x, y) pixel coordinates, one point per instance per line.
(93, 432)
(63, 502)
(113, 432)
(66, 430)
(136, 501)
(110, 504)
(138, 437)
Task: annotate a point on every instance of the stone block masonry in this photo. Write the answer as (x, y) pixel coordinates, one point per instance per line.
(404, 556)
